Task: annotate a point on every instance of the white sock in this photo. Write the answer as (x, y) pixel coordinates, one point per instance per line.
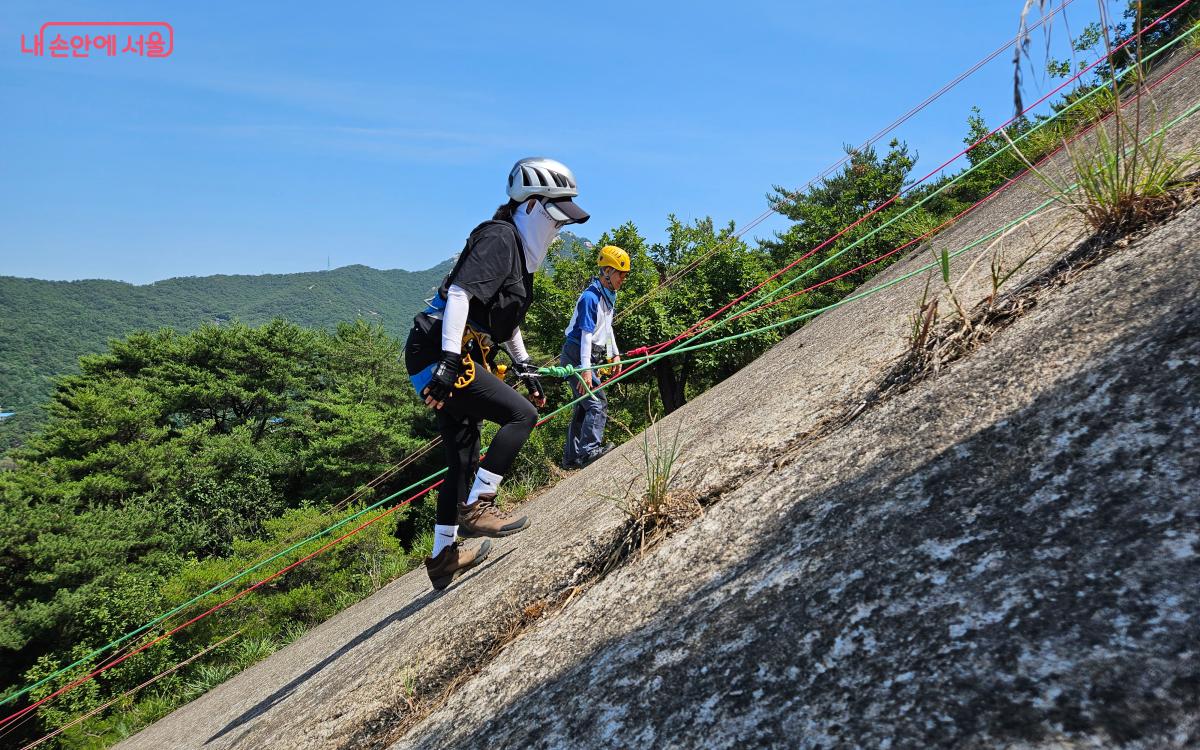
(485, 483)
(443, 537)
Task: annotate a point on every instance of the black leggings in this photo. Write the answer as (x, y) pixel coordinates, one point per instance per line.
(487, 397)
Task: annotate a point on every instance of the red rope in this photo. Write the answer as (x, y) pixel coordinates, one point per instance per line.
(824, 173)
(766, 214)
(774, 208)
(213, 609)
(954, 218)
(133, 690)
(659, 347)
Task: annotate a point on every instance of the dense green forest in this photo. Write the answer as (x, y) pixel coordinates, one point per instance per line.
(50, 324)
(173, 459)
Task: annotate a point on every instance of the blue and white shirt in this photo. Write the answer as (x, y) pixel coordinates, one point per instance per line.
(592, 323)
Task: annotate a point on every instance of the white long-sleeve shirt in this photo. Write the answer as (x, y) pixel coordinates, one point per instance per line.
(454, 319)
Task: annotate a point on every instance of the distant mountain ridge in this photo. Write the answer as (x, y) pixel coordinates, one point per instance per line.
(49, 324)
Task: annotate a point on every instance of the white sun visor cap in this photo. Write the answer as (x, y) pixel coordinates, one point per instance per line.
(565, 210)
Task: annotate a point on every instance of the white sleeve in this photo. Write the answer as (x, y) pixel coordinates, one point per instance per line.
(516, 347)
(454, 319)
(585, 348)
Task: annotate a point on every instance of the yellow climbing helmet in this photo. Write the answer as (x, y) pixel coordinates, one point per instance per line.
(612, 256)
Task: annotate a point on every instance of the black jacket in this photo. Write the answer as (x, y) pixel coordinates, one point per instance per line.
(492, 270)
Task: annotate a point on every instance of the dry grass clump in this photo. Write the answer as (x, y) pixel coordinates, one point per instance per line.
(936, 340)
(1123, 177)
(657, 509)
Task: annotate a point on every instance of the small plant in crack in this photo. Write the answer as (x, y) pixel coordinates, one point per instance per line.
(1001, 275)
(408, 687)
(935, 341)
(659, 461)
(1123, 187)
(656, 508)
(922, 321)
(944, 266)
(1122, 180)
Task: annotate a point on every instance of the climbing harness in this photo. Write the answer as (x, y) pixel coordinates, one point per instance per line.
(481, 343)
(610, 369)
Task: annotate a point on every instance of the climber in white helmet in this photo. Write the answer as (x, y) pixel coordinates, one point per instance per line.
(451, 350)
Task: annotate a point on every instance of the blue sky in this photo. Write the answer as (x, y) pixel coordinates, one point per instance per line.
(281, 134)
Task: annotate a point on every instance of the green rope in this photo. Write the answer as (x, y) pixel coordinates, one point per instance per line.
(214, 589)
(562, 371)
(766, 296)
(813, 313)
(583, 384)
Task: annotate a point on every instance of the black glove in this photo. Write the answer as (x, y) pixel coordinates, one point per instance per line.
(441, 386)
(527, 373)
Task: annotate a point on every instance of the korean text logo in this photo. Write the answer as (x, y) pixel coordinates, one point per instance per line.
(63, 39)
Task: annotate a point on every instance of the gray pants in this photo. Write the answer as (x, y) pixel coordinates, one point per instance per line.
(585, 433)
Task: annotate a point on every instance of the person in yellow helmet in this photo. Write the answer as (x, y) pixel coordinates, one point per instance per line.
(590, 341)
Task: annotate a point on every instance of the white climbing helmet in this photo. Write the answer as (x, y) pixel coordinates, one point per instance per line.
(549, 179)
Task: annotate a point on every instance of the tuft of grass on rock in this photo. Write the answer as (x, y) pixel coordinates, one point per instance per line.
(657, 508)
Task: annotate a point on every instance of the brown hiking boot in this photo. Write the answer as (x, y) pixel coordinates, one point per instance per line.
(483, 518)
(453, 562)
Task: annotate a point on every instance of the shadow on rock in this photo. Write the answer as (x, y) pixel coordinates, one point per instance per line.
(282, 693)
(1033, 581)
